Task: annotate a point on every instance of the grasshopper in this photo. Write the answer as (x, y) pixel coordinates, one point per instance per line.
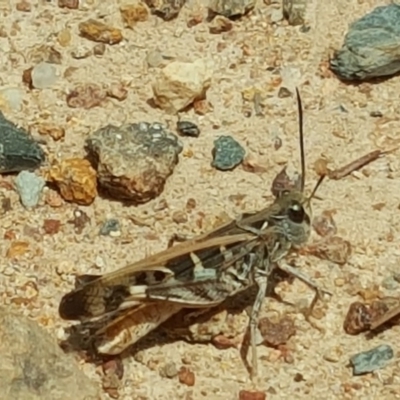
(122, 306)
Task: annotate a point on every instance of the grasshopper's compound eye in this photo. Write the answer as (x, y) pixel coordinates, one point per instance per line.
(296, 213)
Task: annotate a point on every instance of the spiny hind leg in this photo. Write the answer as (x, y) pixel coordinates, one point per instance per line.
(262, 281)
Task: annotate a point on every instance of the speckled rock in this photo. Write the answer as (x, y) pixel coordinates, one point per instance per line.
(18, 151)
(371, 47)
(227, 153)
(134, 160)
(294, 11)
(231, 8)
(34, 367)
(165, 9)
(98, 31)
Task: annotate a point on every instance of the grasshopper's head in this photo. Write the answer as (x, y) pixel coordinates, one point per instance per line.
(294, 216)
(293, 208)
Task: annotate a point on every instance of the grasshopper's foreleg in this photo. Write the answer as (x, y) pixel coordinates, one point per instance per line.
(319, 292)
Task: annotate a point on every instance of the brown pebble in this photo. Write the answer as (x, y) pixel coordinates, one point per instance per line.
(76, 180)
(190, 204)
(358, 319)
(16, 249)
(220, 24)
(321, 167)
(251, 395)
(99, 49)
(100, 32)
(202, 107)
(23, 6)
(133, 13)
(186, 376)
(333, 248)
(71, 4)
(79, 221)
(51, 226)
(277, 333)
(27, 77)
(10, 234)
(117, 91)
(324, 224)
(52, 130)
(179, 217)
(169, 370)
(86, 96)
(113, 372)
(53, 199)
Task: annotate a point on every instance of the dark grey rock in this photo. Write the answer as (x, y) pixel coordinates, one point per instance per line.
(133, 161)
(187, 128)
(371, 360)
(29, 187)
(227, 153)
(371, 47)
(18, 151)
(110, 227)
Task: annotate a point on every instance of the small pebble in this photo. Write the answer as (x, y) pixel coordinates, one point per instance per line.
(29, 187)
(187, 128)
(169, 370)
(284, 92)
(186, 376)
(371, 360)
(390, 283)
(12, 97)
(227, 153)
(111, 227)
(43, 75)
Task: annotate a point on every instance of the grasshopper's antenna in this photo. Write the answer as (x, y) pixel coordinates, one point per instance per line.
(301, 138)
(302, 155)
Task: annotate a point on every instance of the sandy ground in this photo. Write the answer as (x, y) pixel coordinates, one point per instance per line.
(319, 355)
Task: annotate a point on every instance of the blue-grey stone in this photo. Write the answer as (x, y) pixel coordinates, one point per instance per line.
(371, 360)
(227, 153)
(29, 187)
(371, 47)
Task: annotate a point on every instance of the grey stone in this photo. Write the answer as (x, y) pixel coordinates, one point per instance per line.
(227, 153)
(29, 187)
(371, 360)
(371, 47)
(18, 151)
(110, 226)
(34, 367)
